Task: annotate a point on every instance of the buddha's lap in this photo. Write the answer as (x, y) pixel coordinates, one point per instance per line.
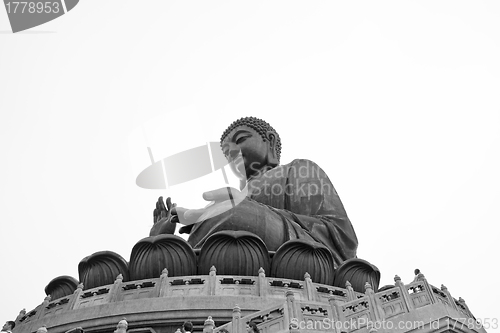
(247, 216)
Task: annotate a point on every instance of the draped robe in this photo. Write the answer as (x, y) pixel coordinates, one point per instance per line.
(292, 201)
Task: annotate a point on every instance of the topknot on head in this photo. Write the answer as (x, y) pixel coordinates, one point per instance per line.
(259, 125)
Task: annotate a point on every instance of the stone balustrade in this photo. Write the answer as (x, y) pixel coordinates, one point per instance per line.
(303, 301)
(185, 286)
(351, 315)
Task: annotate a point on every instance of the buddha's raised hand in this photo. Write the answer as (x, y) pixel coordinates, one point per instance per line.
(161, 218)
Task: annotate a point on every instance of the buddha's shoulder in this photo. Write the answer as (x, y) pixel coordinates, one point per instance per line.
(301, 162)
(303, 168)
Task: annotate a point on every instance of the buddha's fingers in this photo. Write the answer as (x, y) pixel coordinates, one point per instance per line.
(155, 215)
(172, 206)
(215, 210)
(224, 194)
(193, 214)
(162, 204)
(179, 215)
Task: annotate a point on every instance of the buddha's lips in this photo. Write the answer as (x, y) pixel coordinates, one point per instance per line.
(238, 162)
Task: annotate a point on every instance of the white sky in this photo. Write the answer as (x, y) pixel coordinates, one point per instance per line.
(397, 101)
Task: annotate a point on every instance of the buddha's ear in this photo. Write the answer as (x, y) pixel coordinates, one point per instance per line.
(272, 153)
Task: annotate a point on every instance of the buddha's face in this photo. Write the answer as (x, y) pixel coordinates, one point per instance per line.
(246, 151)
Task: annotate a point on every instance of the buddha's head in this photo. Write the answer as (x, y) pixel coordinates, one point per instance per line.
(252, 145)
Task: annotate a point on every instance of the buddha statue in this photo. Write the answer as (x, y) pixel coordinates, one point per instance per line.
(277, 203)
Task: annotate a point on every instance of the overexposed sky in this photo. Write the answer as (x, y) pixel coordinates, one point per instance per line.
(397, 101)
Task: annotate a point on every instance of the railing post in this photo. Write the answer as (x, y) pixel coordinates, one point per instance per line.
(293, 323)
(43, 307)
(462, 301)
(163, 290)
(236, 323)
(294, 311)
(262, 281)
(76, 296)
(375, 308)
(115, 289)
(122, 326)
(21, 314)
(310, 292)
(42, 329)
(334, 314)
(209, 325)
(351, 295)
(428, 288)
(212, 281)
(404, 293)
(448, 295)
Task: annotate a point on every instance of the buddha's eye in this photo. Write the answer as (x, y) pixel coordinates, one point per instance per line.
(241, 139)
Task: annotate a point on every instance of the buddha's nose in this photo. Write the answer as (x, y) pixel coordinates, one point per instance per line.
(233, 151)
